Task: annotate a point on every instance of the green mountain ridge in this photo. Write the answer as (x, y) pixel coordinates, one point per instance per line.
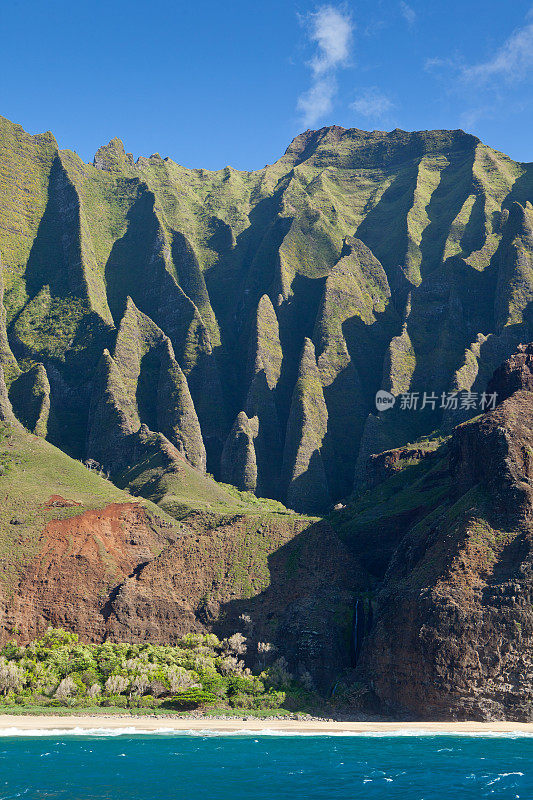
(248, 318)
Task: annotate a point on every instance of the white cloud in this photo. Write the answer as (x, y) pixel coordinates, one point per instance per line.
(330, 29)
(408, 13)
(439, 63)
(493, 87)
(513, 61)
(317, 101)
(372, 104)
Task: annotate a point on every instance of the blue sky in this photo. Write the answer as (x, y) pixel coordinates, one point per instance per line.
(210, 83)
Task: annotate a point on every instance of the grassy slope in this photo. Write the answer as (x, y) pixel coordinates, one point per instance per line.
(31, 471)
(183, 489)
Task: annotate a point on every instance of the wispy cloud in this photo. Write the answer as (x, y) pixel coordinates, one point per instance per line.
(491, 87)
(330, 30)
(513, 61)
(372, 104)
(408, 13)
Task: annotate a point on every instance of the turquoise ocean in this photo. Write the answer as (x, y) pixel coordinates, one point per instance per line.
(201, 766)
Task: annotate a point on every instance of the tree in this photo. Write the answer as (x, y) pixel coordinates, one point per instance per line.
(66, 688)
(11, 676)
(116, 684)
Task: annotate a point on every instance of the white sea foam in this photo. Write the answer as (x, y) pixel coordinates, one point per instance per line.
(130, 730)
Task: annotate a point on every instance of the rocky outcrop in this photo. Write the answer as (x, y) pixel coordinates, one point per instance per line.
(30, 398)
(303, 468)
(261, 405)
(514, 374)
(6, 410)
(142, 384)
(453, 630)
(111, 419)
(383, 465)
(239, 462)
(265, 353)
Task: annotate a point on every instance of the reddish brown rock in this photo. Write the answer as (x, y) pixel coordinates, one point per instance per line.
(514, 374)
(78, 563)
(453, 632)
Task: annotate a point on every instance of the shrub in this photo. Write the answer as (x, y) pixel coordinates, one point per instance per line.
(265, 653)
(190, 699)
(118, 700)
(271, 700)
(144, 702)
(278, 674)
(245, 684)
(90, 677)
(57, 637)
(140, 684)
(229, 665)
(235, 644)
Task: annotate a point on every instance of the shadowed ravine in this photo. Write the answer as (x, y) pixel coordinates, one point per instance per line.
(210, 345)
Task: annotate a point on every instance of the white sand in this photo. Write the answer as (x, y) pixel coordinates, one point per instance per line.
(19, 724)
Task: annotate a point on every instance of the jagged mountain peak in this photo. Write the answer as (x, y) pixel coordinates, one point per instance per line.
(220, 280)
(112, 157)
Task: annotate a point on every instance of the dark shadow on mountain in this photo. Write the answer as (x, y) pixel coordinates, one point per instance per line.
(384, 228)
(446, 201)
(307, 610)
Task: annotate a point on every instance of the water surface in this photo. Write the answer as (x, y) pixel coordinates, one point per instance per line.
(261, 767)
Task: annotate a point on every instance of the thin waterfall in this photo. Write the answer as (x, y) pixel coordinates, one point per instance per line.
(358, 629)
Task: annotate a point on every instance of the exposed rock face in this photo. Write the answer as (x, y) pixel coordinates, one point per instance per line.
(514, 374)
(453, 635)
(169, 596)
(78, 564)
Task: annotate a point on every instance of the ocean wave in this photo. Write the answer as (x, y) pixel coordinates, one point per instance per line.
(131, 730)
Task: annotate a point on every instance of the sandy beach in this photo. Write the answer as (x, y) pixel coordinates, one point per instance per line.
(19, 724)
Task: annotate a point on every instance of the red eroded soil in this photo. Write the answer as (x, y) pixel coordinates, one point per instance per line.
(56, 501)
(79, 562)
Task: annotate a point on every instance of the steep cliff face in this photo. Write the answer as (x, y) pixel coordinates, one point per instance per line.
(453, 625)
(79, 553)
(404, 258)
(161, 324)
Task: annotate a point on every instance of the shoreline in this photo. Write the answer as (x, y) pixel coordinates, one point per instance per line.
(151, 724)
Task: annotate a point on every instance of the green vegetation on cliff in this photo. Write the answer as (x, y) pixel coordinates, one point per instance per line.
(405, 258)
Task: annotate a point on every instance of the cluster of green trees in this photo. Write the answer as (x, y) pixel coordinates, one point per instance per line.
(200, 670)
